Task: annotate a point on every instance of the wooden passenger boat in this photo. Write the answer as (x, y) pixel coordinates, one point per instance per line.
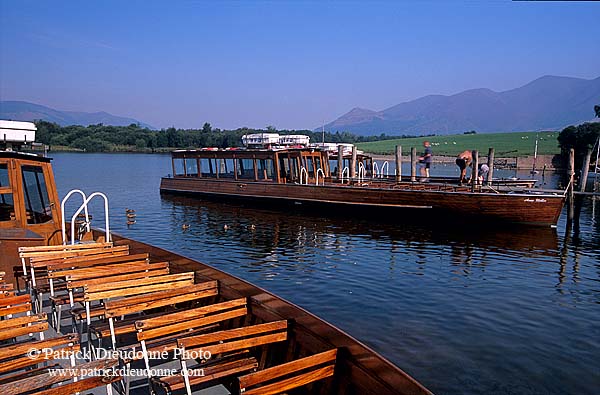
(261, 343)
(304, 176)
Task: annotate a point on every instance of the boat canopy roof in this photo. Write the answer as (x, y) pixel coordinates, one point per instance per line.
(24, 156)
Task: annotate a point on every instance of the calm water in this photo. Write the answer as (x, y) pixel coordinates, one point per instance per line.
(486, 311)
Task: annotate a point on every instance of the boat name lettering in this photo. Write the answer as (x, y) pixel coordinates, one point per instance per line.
(535, 200)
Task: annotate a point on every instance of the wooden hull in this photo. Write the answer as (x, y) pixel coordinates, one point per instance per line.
(359, 370)
(528, 208)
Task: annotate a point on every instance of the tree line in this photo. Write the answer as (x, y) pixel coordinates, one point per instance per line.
(106, 138)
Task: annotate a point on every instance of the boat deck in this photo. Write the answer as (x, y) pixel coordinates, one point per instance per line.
(256, 339)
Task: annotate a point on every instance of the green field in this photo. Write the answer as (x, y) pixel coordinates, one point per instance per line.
(506, 145)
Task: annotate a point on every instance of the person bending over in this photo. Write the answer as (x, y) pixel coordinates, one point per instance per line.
(463, 161)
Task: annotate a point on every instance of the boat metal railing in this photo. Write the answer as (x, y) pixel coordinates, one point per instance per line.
(385, 165)
(303, 171)
(346, 171)
(317, 177)
(84, 207)
(361, 173)
(62, 212)
(375, 169)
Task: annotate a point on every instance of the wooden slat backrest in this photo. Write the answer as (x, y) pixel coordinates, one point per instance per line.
(43, 260)
(34, 249)
(300, 372)
(18, 356)
(6, 294)
(81, 262)
(136, 304)
(80, 385)
(101, 270)
(19, 326)
(136, 287)
(236, 339)
(182, 321)
(7, 286)
(39, 384)
(15, 305)
(152, 270)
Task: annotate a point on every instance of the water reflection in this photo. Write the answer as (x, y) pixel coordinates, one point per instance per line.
(269, 233)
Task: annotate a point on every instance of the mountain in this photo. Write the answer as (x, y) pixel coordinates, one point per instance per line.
(25, 111)
(547, 103)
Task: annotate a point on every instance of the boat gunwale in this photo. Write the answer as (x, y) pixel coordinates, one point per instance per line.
(555, 194)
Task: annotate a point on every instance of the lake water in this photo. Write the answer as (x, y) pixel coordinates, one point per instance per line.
(494, 311)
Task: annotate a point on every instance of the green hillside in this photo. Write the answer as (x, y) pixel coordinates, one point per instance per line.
(505, 144)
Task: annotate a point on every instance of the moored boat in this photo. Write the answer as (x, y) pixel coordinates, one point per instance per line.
(304, 176)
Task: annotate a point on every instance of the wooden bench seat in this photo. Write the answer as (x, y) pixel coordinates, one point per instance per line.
(11, 305)
(282, 378)
(37, 259)
(225, 347)
(78, 277)
(111, 290)
(141, 303)
(16, 357)
(45, 383)
(12, 328)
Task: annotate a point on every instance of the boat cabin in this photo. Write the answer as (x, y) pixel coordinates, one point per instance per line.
(28, 197)
(278, 166)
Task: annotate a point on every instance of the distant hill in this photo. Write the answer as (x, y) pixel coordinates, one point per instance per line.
(25, 111)
(547, 103)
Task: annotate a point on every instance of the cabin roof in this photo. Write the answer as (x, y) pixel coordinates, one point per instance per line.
(240, 151)
(24, 156)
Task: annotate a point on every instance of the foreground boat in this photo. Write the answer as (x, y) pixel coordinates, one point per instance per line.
(303, 176)
(122, 295)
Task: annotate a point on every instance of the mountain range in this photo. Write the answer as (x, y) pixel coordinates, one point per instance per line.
(25, 111)
(547, 103)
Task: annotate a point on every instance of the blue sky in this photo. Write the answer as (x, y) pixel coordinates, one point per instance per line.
(287, 64)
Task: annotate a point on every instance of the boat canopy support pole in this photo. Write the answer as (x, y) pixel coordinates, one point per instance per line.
(353, 163)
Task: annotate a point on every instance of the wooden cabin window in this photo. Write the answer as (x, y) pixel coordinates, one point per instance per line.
(191, 167)
(4, 180)
(245, 169)
(208, 167)
(310, 166)
(284, 168)
(7, 207)
(37, 203)
(179, 169)
(226, 168)
(265, 169)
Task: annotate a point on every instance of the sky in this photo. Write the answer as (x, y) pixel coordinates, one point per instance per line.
(289, 64)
